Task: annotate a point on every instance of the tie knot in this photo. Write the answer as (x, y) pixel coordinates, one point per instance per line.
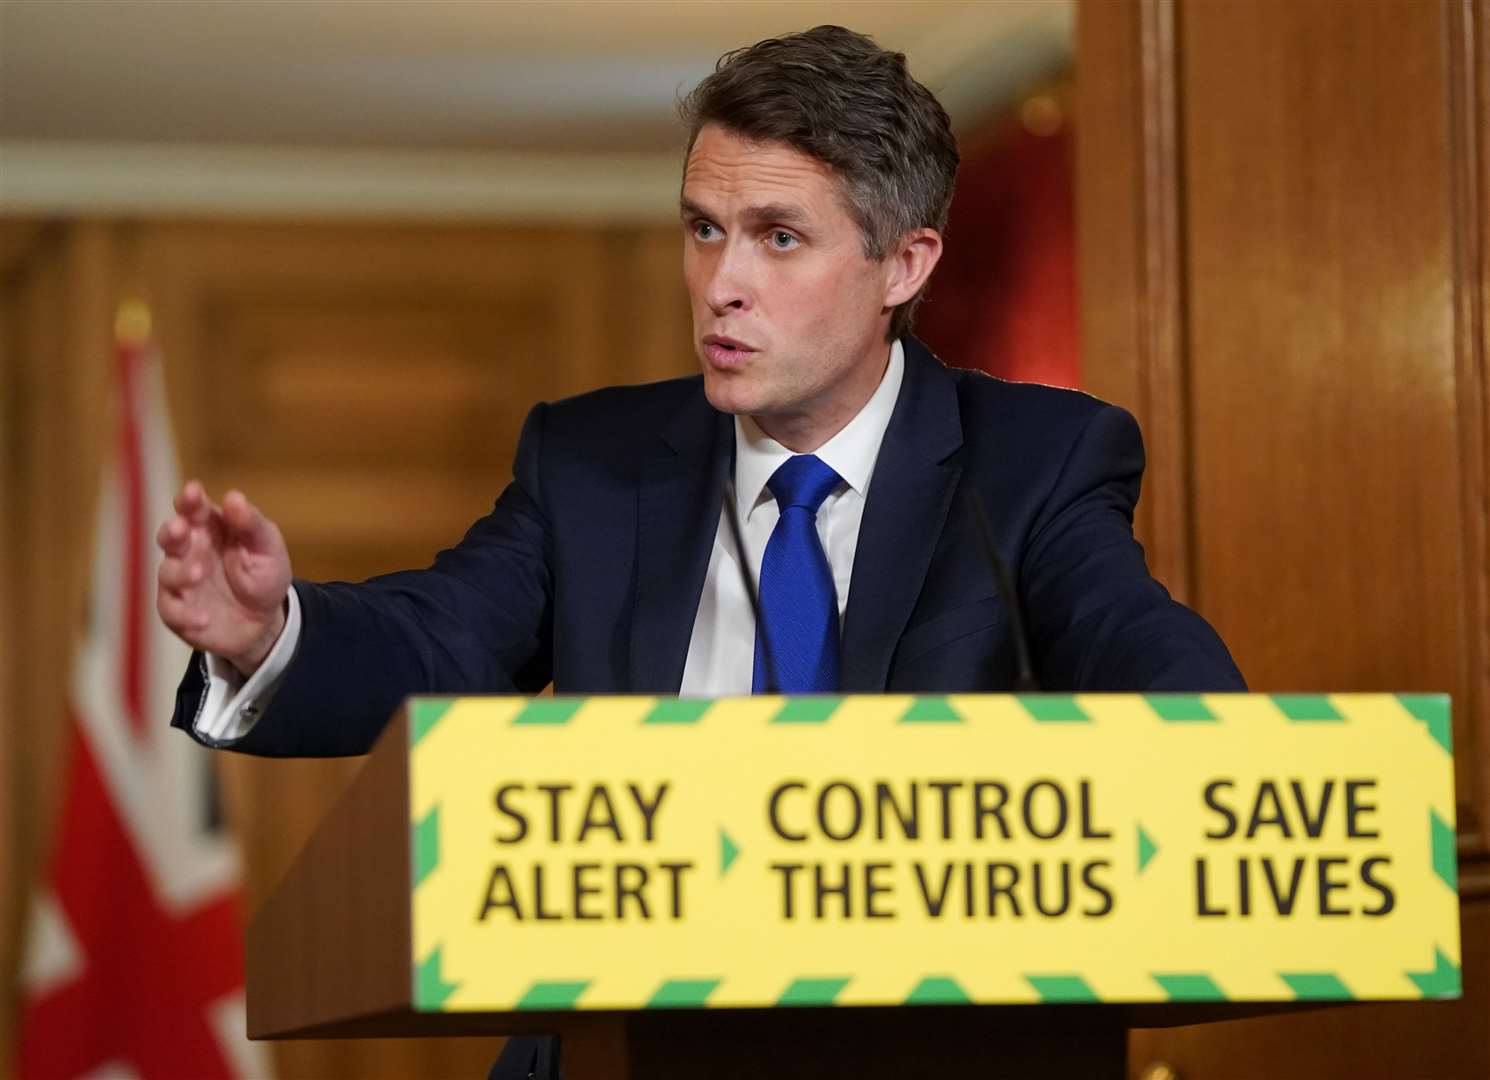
(805, 481)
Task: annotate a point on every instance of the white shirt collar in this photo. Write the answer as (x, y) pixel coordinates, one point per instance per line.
(851, 453)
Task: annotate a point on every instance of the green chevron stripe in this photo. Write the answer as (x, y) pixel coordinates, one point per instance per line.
(938, 990)
(1147, 849)
(553, 996)
(1192, 986)
(678, 711)
(683, 994)
(930, 710)
(1445, 850)
(1054, 708)
(807, 710)
(426, 845)
(729, 851)
(425, 713)
(1062, 988)
(1181, 708)
(811, 992)
(1434, 710)
(431, 991)
(1306, 707)
(1316, 986)
(1442, 982)
(549, 711)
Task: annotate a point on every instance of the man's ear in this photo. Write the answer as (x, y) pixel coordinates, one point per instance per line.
(910, 264)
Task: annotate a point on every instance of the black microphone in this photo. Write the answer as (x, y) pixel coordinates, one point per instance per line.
(763, 642)
(1025, 681)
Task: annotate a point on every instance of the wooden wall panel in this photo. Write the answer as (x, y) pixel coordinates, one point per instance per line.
(60, 321)
(365, 385)
(1321, 342)
(1330, 197)
(1330, 484)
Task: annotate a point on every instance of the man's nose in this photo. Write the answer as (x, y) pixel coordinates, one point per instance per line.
(728, 285)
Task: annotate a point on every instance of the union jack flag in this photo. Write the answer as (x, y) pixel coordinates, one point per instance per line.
(134, 964)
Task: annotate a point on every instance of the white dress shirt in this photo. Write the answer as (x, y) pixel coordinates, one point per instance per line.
(721, 652)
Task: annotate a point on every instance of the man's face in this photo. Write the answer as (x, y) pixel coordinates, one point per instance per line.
(789, 317)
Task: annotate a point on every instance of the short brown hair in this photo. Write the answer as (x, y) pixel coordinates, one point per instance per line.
(837, 96)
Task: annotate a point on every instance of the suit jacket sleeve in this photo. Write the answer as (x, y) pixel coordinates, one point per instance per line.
(478, 620)
(1098, 621)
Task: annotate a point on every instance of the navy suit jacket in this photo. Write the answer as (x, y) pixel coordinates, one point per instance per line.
(588, 570)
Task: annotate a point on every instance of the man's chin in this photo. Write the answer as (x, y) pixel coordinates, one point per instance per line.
(730, 394)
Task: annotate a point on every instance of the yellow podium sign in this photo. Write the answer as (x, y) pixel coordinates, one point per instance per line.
(638, 852)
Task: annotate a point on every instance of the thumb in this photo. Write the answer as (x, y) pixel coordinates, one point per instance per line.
(245, 523)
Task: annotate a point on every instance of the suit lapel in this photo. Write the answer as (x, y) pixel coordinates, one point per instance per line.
(678, 505)
(909, 496)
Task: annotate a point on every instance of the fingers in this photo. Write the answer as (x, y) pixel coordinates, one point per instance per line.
(219, 564)
(174, 537)
(177, 574)
(246, 522)
(181, 538)
(193, 510)
(192, 504)
(242, 516)
(202, 540)
(179, 615)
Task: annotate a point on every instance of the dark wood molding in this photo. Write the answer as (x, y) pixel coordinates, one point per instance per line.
(1470, 208)
(1131, 273)
(1162, 314)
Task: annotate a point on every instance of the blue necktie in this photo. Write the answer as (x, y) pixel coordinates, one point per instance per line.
(799, 606)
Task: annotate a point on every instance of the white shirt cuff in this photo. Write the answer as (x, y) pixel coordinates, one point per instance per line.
(232, 704)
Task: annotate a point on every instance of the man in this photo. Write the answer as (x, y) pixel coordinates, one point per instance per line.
(814, 197)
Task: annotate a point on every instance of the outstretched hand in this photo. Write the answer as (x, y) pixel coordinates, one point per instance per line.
(223, 583)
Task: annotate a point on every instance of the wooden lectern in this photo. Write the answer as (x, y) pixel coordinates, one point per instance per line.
(330, 955)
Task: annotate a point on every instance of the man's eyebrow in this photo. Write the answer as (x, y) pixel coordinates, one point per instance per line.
(766, 213)
(777, 213)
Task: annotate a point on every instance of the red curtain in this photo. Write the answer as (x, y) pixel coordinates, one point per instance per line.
(1003, 298)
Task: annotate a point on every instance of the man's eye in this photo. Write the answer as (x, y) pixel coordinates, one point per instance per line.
(703, 230)
(782, 240)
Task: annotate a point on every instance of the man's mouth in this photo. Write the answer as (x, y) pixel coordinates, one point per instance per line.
(726, 343)
(725, 352)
